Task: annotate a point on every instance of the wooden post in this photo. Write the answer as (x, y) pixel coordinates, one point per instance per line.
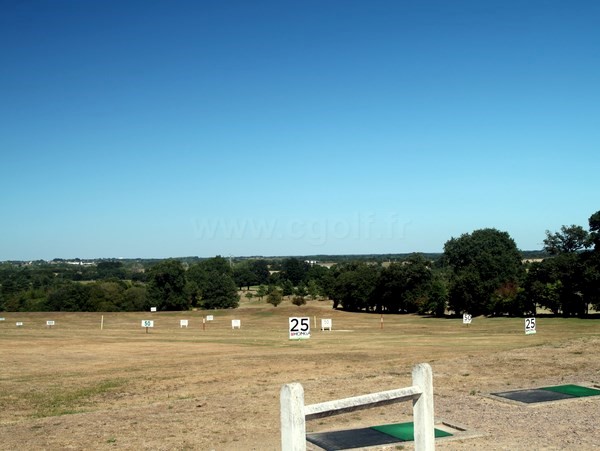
(102, 323)
(293, 421)
(294, 413)
(423, 408)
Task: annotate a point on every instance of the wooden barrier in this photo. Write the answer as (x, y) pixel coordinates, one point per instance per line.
(294, 413)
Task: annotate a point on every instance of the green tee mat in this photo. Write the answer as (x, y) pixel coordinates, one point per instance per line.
(374, 436)
(573, 390)
(545, 394)
(405, 431)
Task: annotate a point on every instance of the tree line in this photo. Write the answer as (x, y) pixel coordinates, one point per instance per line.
(481, 273)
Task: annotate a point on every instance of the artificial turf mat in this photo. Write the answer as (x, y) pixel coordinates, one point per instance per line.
(405, 431)
(373, 436)
(576, 391)
(532, 396)
(546, 394)
(351, 438)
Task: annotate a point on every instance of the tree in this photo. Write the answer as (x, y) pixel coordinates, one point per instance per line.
(570, 239)
(354, 285)
(594, 223)
(196, 280)
(299, 294)
(210, 284)
(69, 297)
(220, 292)
(298, 300)
(287, 288)
(106, 296)
(558, 283)
(274, 296)
(403, 287)
(110, 269)
(217, 264)
(167, 286)
(260, 269)
(243, 275)
(437, 300)
(592, 263)
(542, 288)
(480, 263)
(134, 299)
(312, 289)
(294, 270)
(567, 283)
(261, 292)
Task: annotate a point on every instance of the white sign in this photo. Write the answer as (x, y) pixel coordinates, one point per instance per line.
(147, 323)
(209, 317)
(467, 318)
(529, 326)
(236, 324)
(49, 323)
(299, 328)
(153, 309)
(183, 323)
(19, 324)
(1, 319)
(325, 324)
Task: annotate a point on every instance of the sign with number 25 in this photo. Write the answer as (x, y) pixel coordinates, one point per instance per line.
(299, 328)
(529, 326)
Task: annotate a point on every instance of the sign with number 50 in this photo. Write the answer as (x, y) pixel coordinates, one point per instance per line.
(299, 328)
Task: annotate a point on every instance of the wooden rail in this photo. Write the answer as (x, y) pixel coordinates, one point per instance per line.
(294, 413)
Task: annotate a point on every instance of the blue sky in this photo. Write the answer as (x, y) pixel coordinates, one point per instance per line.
(178, 128)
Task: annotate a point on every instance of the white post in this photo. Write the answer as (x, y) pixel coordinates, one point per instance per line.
(293, 421)
(423, 408)
(294, 413)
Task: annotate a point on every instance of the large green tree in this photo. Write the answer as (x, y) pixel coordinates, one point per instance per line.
(107, 296)
(354, 285)
(69, 297)
(481, 263)
(294, 270)
(404, 286)
(167, 286)
(567, 267)
(243, 275)
(260, 269)
(568, 282)
(569, 240)
(210, 284)
(220, 292)
(592, 263)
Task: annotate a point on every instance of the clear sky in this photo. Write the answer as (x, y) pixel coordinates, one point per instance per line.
(178, 128)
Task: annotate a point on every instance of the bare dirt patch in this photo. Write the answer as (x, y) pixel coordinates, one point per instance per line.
(78, 387)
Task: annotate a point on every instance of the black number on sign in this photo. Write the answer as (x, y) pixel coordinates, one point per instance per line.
(294, 327)
(300, 324)
(304, 324)
(530, 323)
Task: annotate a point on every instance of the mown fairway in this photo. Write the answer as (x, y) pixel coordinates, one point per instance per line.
(76, 386)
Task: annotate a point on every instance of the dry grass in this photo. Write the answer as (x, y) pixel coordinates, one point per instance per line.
(75, 386)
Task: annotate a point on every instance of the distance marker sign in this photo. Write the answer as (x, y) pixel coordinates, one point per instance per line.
(529, 326)
(299, 328)
(147, 323)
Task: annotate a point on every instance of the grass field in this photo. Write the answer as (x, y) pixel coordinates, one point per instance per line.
(75, 386)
